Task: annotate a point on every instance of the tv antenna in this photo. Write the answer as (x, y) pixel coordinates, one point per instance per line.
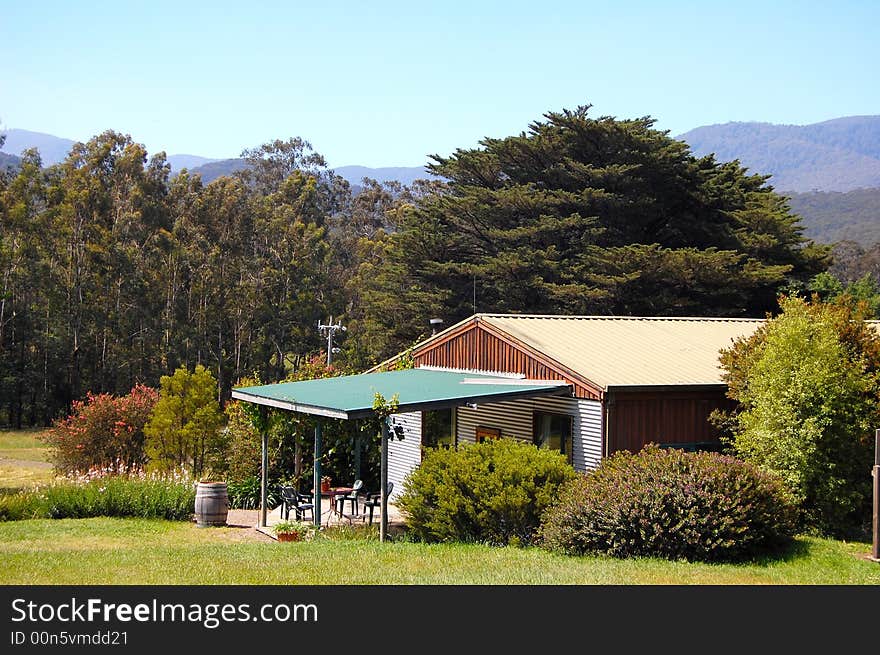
(330, 329)
(475, 293)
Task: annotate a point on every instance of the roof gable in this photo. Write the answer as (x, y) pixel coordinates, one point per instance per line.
(477, 345)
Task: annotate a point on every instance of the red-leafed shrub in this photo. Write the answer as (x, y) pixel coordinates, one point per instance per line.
(104, 434)
(671, 504)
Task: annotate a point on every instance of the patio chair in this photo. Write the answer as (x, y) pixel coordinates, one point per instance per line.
(292, 499)
(373, 499)
(287, 495)
(352, 496)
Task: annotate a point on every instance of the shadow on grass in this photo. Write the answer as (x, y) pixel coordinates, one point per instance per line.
(796, 549)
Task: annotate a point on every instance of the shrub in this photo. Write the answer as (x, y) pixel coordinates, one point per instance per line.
(493, 492)
(114, 496)
(21, 505)
(671, 504)
(246, 494)
(184, 427)
(103, 432)
(243, 451)
(811, 418)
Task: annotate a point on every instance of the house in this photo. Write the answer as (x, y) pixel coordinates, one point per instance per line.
(632, 380)
(587, 386)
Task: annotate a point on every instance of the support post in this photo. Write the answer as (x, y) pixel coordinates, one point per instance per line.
(264, 465)
(357, 453)
(316, 511)
(875, 548)
(383, 525)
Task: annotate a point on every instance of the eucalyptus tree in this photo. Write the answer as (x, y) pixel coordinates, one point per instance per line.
(26, 353)
(109, 204)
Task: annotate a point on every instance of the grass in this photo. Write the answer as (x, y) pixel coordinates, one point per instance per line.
(148, 551)
(24, 459)
(143, 551)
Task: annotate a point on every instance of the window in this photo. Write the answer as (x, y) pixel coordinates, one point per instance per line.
(482, 434)
(554, 432)
(438, 428)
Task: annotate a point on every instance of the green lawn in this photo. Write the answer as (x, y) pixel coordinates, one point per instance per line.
(24, 459)
(137, 551)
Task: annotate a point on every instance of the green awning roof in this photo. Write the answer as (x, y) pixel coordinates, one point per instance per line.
(352, 396)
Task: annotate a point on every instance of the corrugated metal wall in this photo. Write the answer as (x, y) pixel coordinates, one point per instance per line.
(406, 454)
(637, 418)
(514, 419)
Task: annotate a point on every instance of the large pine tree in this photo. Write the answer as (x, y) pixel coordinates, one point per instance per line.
(588, 216)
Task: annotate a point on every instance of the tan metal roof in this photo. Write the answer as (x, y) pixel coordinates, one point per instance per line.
(630, 351)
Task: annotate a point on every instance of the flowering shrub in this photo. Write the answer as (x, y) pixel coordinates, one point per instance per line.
(671, 504)
(143, 496)
(104, 433)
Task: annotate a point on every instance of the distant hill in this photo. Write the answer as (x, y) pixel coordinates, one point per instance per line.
(833, 216)
(219, 168)
(404, 175)
(179, 162)
(8, 161)
(837, 155)
(354, 174)
(52, 149)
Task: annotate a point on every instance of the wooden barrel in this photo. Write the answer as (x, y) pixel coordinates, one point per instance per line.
(212, 504)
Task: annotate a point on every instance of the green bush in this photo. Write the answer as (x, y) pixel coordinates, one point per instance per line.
(811, 418)
(20, 505)
(671, 504)
(184, 428)
(493, 492)
(246, 494)
(115, 496)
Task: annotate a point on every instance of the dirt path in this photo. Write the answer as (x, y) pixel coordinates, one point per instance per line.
(240, 526)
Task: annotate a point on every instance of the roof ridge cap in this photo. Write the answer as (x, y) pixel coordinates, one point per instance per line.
(624, 318)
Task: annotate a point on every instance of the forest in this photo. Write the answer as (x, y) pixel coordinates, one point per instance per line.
(113, 273)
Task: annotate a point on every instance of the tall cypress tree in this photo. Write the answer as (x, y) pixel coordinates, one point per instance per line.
(589, 216)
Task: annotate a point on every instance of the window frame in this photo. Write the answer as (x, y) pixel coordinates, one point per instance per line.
(567, 442)
(452, 427)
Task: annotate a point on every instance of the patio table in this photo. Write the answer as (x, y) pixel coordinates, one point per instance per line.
(332, 493)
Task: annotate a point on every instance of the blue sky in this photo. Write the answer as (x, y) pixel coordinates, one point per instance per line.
(388, 83)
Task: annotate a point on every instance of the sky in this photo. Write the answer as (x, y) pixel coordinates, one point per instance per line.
(391, 83)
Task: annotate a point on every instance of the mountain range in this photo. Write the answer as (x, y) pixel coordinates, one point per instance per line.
(54, 150)
(837, 155)
(830, 170)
